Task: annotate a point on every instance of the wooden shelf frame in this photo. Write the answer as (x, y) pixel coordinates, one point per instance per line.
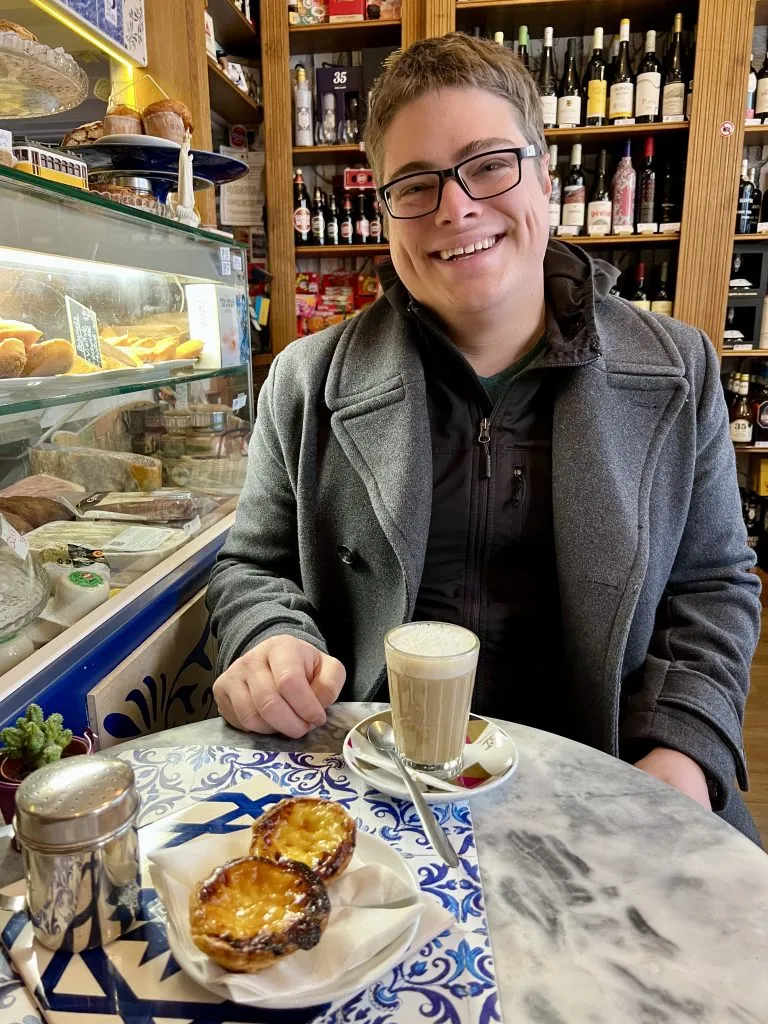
(353, 35)
(340, 252)
(228, 101)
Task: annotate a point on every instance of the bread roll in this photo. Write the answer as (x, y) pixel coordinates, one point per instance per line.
(11, 26)
(13, 357)
(16, 329)
(47, 358)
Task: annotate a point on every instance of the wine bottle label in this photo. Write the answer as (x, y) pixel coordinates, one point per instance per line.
(624, 185)
(375, 230)
(648, 93)
(647, 211)
(332, 230)
(554, 213)
(302, 220)
(346, 229)
(761, 107)
(362, 228)
(574, 205)
(599, 217)
(673, 102)
(751, 90)
(622, 99)
(549, 109)
(741, 431)
(641, 304)
(597, 98)
(569, 111)
(662, 306)
(318, 225)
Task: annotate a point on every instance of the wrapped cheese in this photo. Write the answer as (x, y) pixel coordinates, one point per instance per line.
(115, 471)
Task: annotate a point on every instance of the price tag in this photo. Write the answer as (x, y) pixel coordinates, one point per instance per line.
(647, 229)
(669, 229)
(6, 140)
(237, 262)
(624, 120)
(623, 229)
(13, 539)
(567, 230)
(84, 331)
(239, 401)
(762, 227)
(225, 258)
(597, 233)
(673, 118)
(748, 121)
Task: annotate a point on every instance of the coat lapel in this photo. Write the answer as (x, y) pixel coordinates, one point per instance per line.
(377, 397)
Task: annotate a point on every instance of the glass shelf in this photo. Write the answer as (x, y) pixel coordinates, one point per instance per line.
(9, 405)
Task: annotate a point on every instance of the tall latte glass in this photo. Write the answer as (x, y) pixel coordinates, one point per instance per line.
(431, 668)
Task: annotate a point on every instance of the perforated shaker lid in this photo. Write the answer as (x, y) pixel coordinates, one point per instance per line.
(75, 802)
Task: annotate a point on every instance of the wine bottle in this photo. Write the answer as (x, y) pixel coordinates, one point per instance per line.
(690, 63)
(548, 82)
(302, 218)
(648, 90)
(611, 72)
(575, 193)
(302, 108)
(624, 191)
(744, 206)
(673, 92)
(556, 195)
(318, 219)
(522, 45)
(662, 297)
(595, 82)
(757, 197)
(569, 100)
(347, 227)
(749, 111)
(623, 83)
(332, 227)
(646, 189)
(376, 223)
(600, 208)
(640, 295)
(362, 224)
(761, 107)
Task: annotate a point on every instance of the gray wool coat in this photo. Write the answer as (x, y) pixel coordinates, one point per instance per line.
(660, 612)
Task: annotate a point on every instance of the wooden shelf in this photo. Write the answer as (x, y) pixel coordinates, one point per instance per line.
(610, 132)
(754, 133)
(328, 155)
(228, 101)
(340, 252)
(751, 238)
(232, 29)
(352, 35)
(752, 353)
(753, 449)
(619, 241)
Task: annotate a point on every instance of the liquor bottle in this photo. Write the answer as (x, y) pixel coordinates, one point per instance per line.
(751, 510)
(673, 93)
(611, 72)
(556, 195)
(302, 108)
(575, 193)
(689, 64)
(522, 46)
(376, 223)
(595, 82)
(498, 38)
(741, 416)
(623, 83)
(669, 205)
(761, 103)
(646, 187)
(362, 224)
(624, 191)
(302, 218)
(318, 219)
(351, 132)
(757, 198)
(744, 205)
(347, 229)
(569, 100)
(328, 124)
(548, 82)
(640, 295)
(332, 222)
(662, 297)
(600, 208)
(749, 108)
(648, 90)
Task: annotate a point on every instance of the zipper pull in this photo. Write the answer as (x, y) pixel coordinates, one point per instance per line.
(518, 486)
(485, 440)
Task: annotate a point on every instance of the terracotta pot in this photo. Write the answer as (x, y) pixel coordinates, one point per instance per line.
(11, 777)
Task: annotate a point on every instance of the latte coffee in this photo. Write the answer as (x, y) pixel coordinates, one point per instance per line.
(431, 668)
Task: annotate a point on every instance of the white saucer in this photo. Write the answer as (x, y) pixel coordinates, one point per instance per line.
(486, 743)
(135, 140)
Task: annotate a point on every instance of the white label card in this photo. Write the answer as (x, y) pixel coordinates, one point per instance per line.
(623, 229)
(647, 229)
(239, 401)
(225, 258)
(13, 539)
(567, 230)
(669, 229)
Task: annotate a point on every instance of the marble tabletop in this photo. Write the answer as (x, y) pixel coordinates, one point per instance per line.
(611, 898)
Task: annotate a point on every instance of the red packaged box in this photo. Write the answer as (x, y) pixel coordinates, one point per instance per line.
(346, 10)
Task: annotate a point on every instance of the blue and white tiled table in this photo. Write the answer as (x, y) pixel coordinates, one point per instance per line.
(610, 897)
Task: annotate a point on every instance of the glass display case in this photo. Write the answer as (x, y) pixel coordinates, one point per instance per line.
(126, 406)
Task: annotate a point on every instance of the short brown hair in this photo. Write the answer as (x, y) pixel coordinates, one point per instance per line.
(453, 61)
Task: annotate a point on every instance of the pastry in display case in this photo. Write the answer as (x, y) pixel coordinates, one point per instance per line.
(126, 407)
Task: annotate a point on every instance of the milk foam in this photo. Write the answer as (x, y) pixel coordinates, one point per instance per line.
(432, 650)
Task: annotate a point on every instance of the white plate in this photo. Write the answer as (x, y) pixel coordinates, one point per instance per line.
(131, 140)
(486, 742)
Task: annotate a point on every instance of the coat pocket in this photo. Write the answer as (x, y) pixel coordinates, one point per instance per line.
(719, 716)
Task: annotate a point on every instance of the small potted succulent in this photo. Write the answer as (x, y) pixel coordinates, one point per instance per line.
(34, 741)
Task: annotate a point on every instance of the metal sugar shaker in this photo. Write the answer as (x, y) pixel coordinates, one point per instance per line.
(76, 824)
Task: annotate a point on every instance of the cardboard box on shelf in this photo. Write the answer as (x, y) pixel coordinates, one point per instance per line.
(346, 10)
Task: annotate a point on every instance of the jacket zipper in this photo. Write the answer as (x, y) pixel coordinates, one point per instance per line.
(484, 440)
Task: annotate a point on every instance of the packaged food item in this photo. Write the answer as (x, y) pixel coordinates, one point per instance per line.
(117, 471)
(164, 506)
(59, 559)
(124, 546)
(346, 10)
(40, 485)
(308, 12)
(34, 512)
(123, 120)
(76, 594)
(168, 119)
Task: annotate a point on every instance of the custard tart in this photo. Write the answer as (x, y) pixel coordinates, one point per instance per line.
(252, 912)
(318, 833)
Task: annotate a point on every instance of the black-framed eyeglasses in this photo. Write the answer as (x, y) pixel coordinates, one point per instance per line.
(481, 177)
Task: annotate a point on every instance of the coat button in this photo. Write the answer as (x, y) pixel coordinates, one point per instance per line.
(346, 555)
